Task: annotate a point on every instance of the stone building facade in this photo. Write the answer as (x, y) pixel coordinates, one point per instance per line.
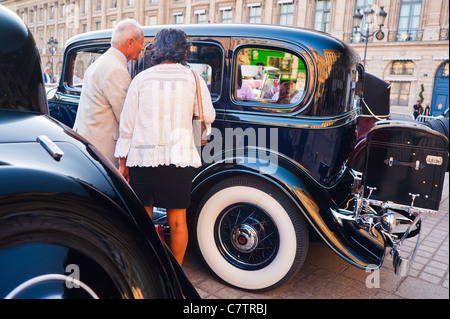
(411, 52)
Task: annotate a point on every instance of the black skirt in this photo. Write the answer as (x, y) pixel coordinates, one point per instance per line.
(163, 186)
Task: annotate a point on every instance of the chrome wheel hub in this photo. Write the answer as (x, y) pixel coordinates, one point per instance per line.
(244, 238)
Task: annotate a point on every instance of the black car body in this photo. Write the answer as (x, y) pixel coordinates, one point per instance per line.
(276, 167)
(70, 226)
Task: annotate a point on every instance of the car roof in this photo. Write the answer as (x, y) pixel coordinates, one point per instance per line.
(304, 37)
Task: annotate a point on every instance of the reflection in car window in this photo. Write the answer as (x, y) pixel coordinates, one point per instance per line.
(207, 60)
(81, 60)
(269, 76)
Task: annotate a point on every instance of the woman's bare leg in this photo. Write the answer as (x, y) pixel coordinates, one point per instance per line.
(178, 232)
(149, 210)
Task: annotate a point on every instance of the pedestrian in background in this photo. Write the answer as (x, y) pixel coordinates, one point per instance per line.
(416, 109)
(105, 86)
(47, 75)
(156, 148)
(427, 110)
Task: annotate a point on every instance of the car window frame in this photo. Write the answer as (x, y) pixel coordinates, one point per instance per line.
(67, 72)
(258, 106)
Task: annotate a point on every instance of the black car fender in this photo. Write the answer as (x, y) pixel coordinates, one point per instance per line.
(346, 238)
(44, 207)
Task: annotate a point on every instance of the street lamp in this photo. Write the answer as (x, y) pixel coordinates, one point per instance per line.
(368, 15)
(52, 46)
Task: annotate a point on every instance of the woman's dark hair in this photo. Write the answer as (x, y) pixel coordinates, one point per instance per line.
(169, 45)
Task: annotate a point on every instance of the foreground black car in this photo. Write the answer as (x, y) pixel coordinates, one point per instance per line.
(70, 226)
(276, 169)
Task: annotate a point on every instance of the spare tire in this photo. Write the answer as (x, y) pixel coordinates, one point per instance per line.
(439, 124)
(444, 124)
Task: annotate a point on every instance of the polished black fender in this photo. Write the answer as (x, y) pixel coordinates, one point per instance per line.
(318, 204)
(54, 212)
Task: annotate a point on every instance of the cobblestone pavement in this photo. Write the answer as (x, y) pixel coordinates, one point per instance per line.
(325, 275)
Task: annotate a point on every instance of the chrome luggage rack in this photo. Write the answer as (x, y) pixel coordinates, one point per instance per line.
(385, 220)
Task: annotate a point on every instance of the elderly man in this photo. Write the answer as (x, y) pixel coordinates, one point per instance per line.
(47, 75)
(105, 86)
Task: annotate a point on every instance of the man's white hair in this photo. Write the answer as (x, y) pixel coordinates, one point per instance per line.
(125, 30)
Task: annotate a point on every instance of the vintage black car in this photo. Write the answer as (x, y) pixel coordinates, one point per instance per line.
(70, 226)
(276, 169)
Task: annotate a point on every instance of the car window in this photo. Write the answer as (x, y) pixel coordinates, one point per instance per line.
(80, 60)
(265, 75)
(207, 59)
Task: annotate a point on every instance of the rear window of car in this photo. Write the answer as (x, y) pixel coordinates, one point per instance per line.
(268, 76)
(207, 59)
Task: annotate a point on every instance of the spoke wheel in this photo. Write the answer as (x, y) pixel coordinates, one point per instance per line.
(246, 236)
(250, 234)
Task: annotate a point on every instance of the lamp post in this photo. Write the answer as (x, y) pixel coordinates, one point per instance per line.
(52, 46)
(368, 15)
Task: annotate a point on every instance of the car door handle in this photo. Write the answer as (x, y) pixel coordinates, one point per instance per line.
(50, 147)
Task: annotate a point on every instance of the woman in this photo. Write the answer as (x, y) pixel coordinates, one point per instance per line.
(156, 148)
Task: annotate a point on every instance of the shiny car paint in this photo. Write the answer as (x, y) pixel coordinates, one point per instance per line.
(315, 138)
(70, 216)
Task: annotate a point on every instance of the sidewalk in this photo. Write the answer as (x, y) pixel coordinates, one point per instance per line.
(325, 275)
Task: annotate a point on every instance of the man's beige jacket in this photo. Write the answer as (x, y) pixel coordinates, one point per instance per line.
(105, 86)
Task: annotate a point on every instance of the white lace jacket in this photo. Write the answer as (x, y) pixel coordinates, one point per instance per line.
(156, 121)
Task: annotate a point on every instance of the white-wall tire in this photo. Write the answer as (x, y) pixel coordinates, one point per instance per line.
(272, 206)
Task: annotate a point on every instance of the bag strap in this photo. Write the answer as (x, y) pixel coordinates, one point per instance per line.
(199, 96)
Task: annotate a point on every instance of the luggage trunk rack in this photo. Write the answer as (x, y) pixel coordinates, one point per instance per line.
(385, 221)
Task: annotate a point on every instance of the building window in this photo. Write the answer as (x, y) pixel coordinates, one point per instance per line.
(254, 14)
(41, 39)
(153, 1)
(51, 33)
(322, 15)
(177, 18)
(402, 68)
(41, 15)
(85, 7)
(409, 20)
(445, 70)
(52, 12)
(201, 16)
(130, 3)
(98, 5)
(63, 11)
(62, 35)
(31, 17)
(227, 15)
(113, 4)
(361, 5)
(400, 93)
(287, 13)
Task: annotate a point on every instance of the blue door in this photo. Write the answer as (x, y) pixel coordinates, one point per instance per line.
(439, 101)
